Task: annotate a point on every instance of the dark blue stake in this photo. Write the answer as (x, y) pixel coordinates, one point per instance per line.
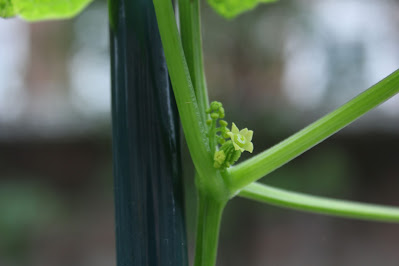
(148, 188)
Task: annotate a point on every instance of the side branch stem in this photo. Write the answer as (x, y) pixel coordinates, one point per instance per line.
(253, 169)
(315, 204)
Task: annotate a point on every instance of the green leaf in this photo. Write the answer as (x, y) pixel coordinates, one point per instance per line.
(33, 10)
(6, 9)
(232, 8)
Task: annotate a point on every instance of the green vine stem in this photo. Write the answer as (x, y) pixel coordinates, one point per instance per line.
(315, 204)
(253, 169)
(191, 118)
(208, 225)
(190, 31)
(209, 179)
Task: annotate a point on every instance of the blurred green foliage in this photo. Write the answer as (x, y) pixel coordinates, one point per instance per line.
(33, 10)
(232, 8)
(6, 9)
(24, 209)
(326, 172)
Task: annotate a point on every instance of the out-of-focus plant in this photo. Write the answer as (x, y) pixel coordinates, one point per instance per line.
(33, 10)
(23, 208)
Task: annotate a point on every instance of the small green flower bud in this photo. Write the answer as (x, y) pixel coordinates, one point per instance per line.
(215, 105)
(229, 156)
(221, 140)
(223, 123)
(214, 116)
(236, 155)
(221, 112)
(219, 158)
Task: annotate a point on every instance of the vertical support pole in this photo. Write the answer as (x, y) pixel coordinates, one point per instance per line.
(150, 226)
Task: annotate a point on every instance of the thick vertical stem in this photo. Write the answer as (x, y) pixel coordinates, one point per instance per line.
(148, 197)
(208, 226)
(190, 27)
(190, 115)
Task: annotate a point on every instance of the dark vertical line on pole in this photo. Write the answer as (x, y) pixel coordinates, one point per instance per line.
(148, 190)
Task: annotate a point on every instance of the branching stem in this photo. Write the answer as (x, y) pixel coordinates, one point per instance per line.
(315, 204)
(253, 169)
(216, 187)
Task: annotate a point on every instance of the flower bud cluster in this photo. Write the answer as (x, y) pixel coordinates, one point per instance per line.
(233, 142)
(226, 156)
(216, 111)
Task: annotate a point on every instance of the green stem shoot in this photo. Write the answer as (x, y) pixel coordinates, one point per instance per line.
(190, 115)
(208, 225)
(315, 204)
(190, 29)
(253, 169)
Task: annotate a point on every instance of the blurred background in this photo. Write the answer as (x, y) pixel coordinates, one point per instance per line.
(276, 69)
